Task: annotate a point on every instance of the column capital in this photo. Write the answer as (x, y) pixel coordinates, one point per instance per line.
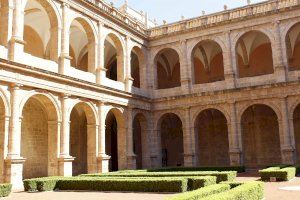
(15, 86)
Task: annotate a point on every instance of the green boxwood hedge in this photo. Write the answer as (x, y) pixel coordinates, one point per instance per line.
(238, 169)
(221, 176)
(5, 189)
(284, 174)
(246, 191)
(144, 184)
(202, 192)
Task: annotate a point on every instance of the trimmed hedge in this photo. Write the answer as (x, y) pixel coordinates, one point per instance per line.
(5, 189)
(145, 184)
(202, 192)
(284, 174)
(246, 191)
(221, 176)
(238, 169)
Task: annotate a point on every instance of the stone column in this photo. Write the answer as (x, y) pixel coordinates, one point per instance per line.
(6, 22)
(279, 68)
(102, 158)
(234, 137)
(188, 140)
(54, 128)
(100, 71)
(14, 161)
(128, 78)
(287, 149)
(229, 72)
(65, 160)
(122, 147)
(154, 147)
(131, 157)
(16, 46)
(92, 147)
(4, 128)
(185, 75)
(65, 59)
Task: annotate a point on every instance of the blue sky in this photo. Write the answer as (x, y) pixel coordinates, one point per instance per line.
(172, 10)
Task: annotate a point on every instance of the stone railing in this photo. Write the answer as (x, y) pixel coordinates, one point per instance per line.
(227, 15)
(117, 14)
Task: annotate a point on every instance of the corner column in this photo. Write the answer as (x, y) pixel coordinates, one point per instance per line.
(102, 158)
(234, 138)
(287, 149)
(131, 157)
(17, 42)
(14, 161)
(65, 59)
(65, 160)
(229, 72)
(100, 70)
(128, 78)
(185, 77)
(188, 140)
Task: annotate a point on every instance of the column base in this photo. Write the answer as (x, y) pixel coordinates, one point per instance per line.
(155, 161)
(131, 161)
(65, 165)
(288, 155)
(280, 74)
(14, 172)
(16, 46)
(230, 80)
(64, 63)
(103, 163)
(235, 156)
(189, 160)
(128, 84)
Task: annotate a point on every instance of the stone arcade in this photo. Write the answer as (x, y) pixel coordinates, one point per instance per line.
(86, 87)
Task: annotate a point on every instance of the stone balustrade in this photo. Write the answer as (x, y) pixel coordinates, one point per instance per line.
(224, 16)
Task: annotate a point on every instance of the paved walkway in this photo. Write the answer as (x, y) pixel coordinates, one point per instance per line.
(86, 195)
(273, 191)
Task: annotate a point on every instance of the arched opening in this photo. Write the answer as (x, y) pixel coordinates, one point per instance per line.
(208, 62)
(136, 63)
(39, 137)
(4, 12)
(140, 141)
(113, 58)
(254, 55)
(296, 121)
(83, 139)
(82, 45)
(293, 47)
(171, 135)
(260, 135)
(211, 132)
(40, 33)
(168, 69)
(2, 139)
(115, 140)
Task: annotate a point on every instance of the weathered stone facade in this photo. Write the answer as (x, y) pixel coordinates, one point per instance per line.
(85, 88)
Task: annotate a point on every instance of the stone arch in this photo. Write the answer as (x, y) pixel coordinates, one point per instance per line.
(115, 139)
(170, 133)
(207, 62)
(114, 57)
(211, 130)
(39, 130)
(140, 140)
(43, 20)
(292, 44)
(260, 136)
(167, 69)
(254, 55)
(83, 138)
(83, 39)
(138, 66)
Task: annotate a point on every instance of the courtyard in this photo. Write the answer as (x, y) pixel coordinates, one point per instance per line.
(273, 191)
